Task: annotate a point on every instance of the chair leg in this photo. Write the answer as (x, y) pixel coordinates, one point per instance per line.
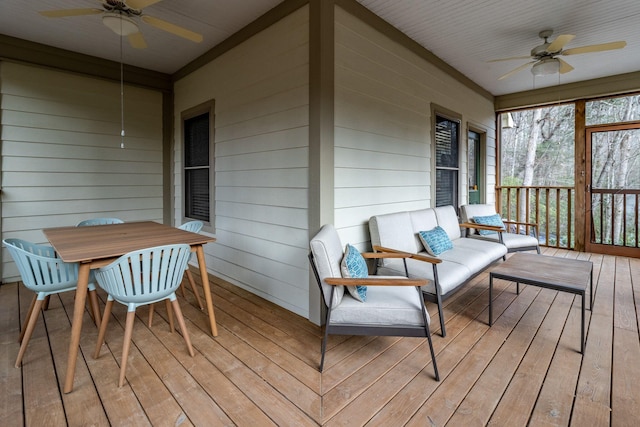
(128, 332)
(103, 327)
(170, 316)
(95, 307)
(150, 321)
(433, 355)
(24, 325)
(443, 331)
(183, 326)
(45, 306)
(31, 323)
(193, 288)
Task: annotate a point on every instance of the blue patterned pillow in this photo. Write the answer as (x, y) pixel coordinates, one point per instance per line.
(353, 265)
(436, 241)
(495, 220)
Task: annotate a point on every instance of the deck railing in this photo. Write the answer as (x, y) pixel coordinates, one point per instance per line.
(552, 208)
(614, 216)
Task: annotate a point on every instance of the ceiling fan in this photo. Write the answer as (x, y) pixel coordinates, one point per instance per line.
(121, 17)
(544, 57)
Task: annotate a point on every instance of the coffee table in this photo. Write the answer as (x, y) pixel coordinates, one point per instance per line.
(560, 274)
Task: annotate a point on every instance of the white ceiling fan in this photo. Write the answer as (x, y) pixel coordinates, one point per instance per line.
(545, 59)
(122, 17)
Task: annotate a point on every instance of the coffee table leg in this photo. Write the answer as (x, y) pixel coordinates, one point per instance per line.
(582, 326)
(490, 299)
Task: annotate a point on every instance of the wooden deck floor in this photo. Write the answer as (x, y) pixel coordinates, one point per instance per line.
(262, 368)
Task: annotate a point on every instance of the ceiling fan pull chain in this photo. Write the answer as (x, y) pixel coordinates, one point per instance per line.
(121, 95)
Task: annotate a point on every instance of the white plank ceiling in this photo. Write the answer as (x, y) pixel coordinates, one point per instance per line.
(465, 34)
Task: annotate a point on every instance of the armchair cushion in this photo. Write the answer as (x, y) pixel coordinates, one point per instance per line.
(435, 241)
(494, 220)
(387, 306)
(354, 266)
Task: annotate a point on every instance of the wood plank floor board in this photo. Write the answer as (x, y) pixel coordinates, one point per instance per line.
(42, 397)
(593, 394)
(416, 395)
(11, 413)
(625, 389)
(441, 406)
(480, 402)
(221, 352)
(261, 369)
(519, 398)
(85, 407)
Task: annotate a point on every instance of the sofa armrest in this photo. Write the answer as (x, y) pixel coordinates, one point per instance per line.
(496, 228)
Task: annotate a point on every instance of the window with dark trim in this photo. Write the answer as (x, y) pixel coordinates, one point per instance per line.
(197, 126)
(447, 136)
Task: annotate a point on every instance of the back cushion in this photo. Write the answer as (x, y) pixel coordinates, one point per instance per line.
(422, 220)
(468, 212)
(327, 253)
(394, 231)
(448, 219)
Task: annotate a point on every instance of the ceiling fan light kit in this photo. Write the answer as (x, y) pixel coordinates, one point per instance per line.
(546, 67)
(121, 25)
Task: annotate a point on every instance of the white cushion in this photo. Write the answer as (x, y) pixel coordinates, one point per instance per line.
(327, 253)
(385, 306)
(448, 219)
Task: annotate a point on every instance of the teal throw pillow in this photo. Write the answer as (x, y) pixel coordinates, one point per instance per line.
(436, 241)
(495, 220)
(354, 266)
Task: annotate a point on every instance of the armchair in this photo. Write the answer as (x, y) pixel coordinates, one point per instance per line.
(394, 305)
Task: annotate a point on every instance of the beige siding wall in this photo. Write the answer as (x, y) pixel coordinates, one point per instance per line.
(383, 150)
(61, 155)
(261, 91)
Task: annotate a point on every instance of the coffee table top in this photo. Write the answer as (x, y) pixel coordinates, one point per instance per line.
(555, 272)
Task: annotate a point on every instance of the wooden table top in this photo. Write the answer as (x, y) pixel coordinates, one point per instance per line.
(83, 244)
(560, 273)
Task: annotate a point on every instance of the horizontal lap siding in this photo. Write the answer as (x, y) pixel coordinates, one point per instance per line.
(383, 148)
(61, 155)
(260, 89)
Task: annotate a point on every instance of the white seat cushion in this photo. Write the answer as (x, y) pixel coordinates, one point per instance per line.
(385, 306)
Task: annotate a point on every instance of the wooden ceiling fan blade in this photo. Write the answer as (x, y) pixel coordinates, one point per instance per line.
(516, 70)
(173, 29)
(565, 67)
(137, 41)
(62, 13)
(140, 4)
(559, 42)
(595, 48)
(510, 59)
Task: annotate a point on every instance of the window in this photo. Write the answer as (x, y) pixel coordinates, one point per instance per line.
(447, 134)
(474, 153)
(197, 125)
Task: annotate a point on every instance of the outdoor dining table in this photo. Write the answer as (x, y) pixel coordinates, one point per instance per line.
(98, 245)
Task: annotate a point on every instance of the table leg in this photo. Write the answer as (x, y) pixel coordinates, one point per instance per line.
(490, 299)
(582, 326)
(76, 325)
(207, 290)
